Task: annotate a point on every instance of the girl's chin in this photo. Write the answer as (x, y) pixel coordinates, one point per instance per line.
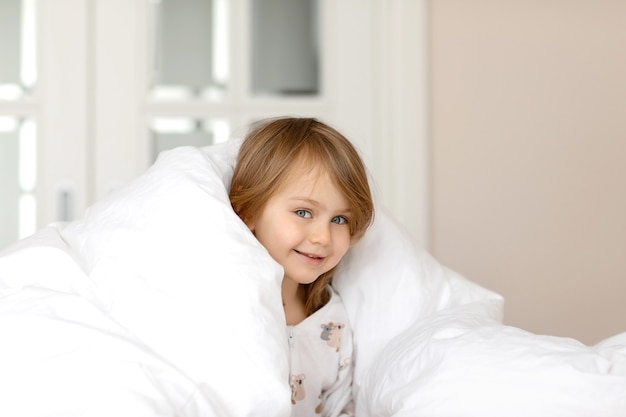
(302, 279)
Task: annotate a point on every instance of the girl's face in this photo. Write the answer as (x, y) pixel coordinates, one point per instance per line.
(304, 226)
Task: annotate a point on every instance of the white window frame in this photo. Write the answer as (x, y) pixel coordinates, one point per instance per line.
(92, 109)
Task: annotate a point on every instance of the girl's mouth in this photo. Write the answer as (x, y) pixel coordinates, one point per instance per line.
(310, 256)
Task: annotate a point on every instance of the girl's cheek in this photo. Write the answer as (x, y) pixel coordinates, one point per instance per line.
(347, 244)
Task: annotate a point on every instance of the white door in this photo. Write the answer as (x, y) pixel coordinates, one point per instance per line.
(44, 114)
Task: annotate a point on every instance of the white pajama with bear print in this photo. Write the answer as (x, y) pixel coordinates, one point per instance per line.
(320, 350)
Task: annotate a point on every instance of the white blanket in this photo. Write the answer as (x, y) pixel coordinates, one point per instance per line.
(159, 302)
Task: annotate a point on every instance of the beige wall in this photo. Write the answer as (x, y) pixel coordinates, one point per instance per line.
(528, 148)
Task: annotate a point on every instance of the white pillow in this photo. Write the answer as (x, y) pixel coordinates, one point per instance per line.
(169, 260)
(174, 265)
(614, 349)
(429, 342)
(461, 363)
(35, 260)
(59, 347)
(61, 356)
(387, 283)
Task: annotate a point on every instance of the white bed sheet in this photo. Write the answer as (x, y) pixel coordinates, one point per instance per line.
(159, 302)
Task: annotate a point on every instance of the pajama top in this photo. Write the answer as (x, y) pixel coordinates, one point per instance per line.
(320, 360)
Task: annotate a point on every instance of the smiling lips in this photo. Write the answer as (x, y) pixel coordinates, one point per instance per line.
(311, 258)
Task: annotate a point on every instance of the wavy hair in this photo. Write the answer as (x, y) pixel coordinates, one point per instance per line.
(275, 147)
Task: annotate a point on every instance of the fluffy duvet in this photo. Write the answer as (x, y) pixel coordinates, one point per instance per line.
(159, 302)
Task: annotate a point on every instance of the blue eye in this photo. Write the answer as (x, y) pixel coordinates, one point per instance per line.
(303, 213)
(339, 220)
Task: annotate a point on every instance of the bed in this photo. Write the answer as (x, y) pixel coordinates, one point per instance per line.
(159, 302)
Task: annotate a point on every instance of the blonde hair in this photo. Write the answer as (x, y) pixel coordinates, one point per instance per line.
(272, 150)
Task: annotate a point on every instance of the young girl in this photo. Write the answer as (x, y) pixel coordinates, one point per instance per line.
(302, 189)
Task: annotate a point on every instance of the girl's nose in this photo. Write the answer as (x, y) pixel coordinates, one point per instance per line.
(320, 233)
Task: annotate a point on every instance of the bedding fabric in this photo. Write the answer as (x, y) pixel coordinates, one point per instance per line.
(163, 287)
(431, 343)
(160, 302)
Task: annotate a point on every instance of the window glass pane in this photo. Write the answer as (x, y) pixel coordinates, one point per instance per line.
(18, 173)
(190, 49)
(171, 132)
(285, 47)
(17, 48)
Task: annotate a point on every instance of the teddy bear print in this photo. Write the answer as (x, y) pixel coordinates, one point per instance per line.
(318, 409)
(297, 388)
(331, 333)
(345, 364)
